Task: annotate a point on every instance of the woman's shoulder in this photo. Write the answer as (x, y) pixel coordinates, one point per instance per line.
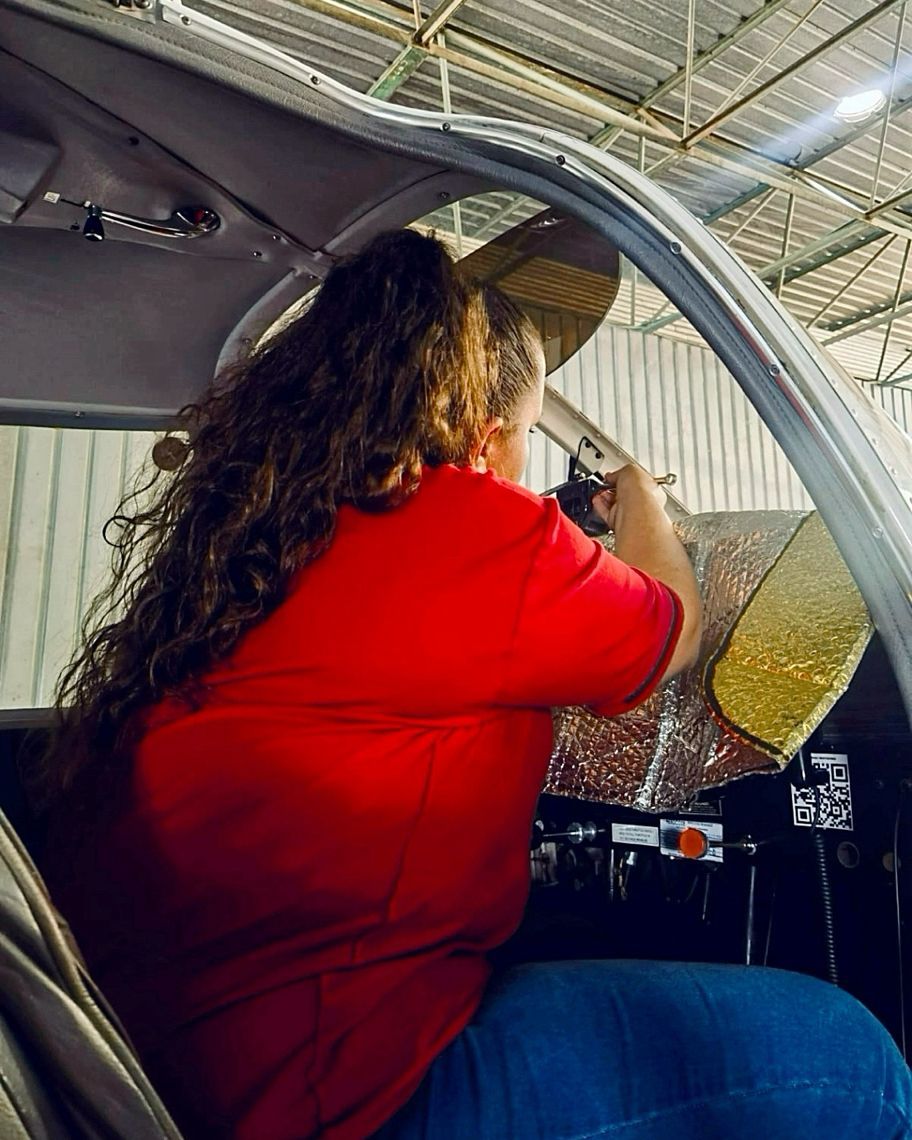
(485, 509)
(465, 485)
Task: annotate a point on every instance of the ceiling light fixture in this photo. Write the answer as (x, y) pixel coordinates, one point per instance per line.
(856, 108)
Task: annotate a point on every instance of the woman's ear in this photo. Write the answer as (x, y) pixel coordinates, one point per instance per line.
(493, 432)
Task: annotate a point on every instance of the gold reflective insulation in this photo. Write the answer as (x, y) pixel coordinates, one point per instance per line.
(779, 647)
(793, 649)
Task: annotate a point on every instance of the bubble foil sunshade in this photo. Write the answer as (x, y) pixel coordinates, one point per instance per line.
(784, 630)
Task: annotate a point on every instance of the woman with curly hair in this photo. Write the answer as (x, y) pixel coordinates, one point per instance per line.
(300, 753)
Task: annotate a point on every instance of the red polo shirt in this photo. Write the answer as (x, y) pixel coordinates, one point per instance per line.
(292, 912)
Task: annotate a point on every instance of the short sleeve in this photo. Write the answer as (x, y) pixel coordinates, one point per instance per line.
(590, 630)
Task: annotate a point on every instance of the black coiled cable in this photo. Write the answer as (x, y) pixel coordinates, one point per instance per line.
(826, 898)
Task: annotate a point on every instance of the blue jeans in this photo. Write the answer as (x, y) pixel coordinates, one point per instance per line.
(662, 1051)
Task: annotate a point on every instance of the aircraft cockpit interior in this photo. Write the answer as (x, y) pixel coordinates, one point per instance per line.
(172, 195)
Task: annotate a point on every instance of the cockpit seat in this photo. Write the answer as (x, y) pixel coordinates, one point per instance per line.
(66, 1067)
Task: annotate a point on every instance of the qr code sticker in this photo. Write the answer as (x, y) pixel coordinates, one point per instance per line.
(830, 804)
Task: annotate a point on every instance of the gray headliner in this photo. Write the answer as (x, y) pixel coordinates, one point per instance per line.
(124, 332)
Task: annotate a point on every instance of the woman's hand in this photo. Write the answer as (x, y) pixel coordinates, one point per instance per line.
(631, 489)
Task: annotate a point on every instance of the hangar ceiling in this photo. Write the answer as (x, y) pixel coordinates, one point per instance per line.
(728, 104)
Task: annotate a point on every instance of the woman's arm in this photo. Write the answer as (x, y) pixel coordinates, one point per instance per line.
(644, 538)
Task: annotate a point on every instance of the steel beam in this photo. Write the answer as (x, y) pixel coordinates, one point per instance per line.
(606, 136)
(899, 367)
(823, 251)
(780, 77)
(774, 51)
(897, 46)
(688, 64)
(672, 159)
(765, 200)
(815, 255)
(880, 315)
(843, 289)
(525, 75)
(447, 104)
(899, 380)
(528, 76)
(409, 58)
(441, 15)
(500, 216)
(890, 113)
(900, 186)
(786, 241)
(896, 296)
(402, 68)
(889, 203)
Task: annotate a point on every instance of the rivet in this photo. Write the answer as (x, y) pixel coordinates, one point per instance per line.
(561, 160)
(445, 126)
(773, 369)
(877, 532)
(675, 247)
(185, 20)
(257, 253)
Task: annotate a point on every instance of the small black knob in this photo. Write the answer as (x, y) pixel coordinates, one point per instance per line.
(93, 229)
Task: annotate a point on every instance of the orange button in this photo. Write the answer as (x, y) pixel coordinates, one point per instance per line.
(692, 843)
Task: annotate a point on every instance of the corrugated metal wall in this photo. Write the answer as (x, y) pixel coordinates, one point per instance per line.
(676, 408)
(671, 404)
(897, 401)
(57, 490)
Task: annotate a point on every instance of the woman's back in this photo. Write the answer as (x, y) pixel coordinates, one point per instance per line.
(292, 913)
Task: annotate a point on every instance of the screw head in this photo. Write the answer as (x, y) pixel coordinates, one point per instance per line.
(169, 453)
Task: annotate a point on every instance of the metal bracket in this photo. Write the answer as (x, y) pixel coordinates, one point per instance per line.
(146, 10)
(570, 429)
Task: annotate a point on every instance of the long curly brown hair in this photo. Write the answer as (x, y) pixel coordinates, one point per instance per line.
(398, 362)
